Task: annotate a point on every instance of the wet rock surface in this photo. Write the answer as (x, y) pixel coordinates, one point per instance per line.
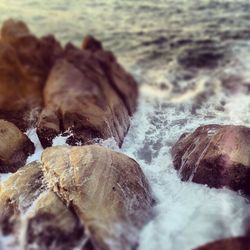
(216, 155)
(29, 209)
(15, 147)
(106, 189)
(25, 62)
(237, 243)
(59, 89)
(17, 195)
(87, 197)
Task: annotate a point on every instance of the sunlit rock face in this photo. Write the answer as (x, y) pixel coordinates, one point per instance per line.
(237, 243)
(17, 194)
(215, 155)
(85, 197)
(106, 189)
(25, 62)
(35, 216)
(15, 147)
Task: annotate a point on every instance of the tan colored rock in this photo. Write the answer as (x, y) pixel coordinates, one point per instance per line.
(215, 155)
(51, 225)
(119, 79)
(106, 189)
(15, 147)
(17, 194)
(237, 243)
(35, 216)
(25, 62)
(80, 99)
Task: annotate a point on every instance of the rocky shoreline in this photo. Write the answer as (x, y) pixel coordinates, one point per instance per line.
(83, 195)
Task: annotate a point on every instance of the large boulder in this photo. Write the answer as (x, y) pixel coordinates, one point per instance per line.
(84, 96)
(84, 91)
(28, 209)
(106, 189)
(237, 243)
(216, 155)
(25, 62)
(15, 147)
(17, 194)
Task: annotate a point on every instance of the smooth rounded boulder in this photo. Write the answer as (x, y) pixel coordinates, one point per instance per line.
(107, 190)
(15, 147)
(215, 155)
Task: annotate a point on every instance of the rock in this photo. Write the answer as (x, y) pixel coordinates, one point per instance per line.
(237, 243)
(106, 189)
(82, 90)
(51, 225)
(119, 79)
(25, 62)
(216, 155)
(15, 147)
(17, 194)
(34, 215)
(92, 44)
(90, 108)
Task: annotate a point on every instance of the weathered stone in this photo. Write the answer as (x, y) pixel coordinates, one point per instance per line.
(215, 155)
(119, 79)
(28, 209)
(15, 147)
(51, 225)
(17, 194)
(237, 243)
(106, 189)
(80, 99)
(25, 62)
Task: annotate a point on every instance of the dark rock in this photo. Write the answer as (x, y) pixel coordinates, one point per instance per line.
(25, 62)
(15, 147)
(215, 155)
(237, 243)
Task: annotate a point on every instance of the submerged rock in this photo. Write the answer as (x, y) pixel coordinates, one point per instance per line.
(216, 155)
(106, 189)
(15, 147)
(204, 55)
(237, 243)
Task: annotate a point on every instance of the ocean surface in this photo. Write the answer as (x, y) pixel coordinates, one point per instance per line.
(192, 61)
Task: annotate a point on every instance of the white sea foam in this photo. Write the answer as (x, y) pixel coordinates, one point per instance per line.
(187, 214)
